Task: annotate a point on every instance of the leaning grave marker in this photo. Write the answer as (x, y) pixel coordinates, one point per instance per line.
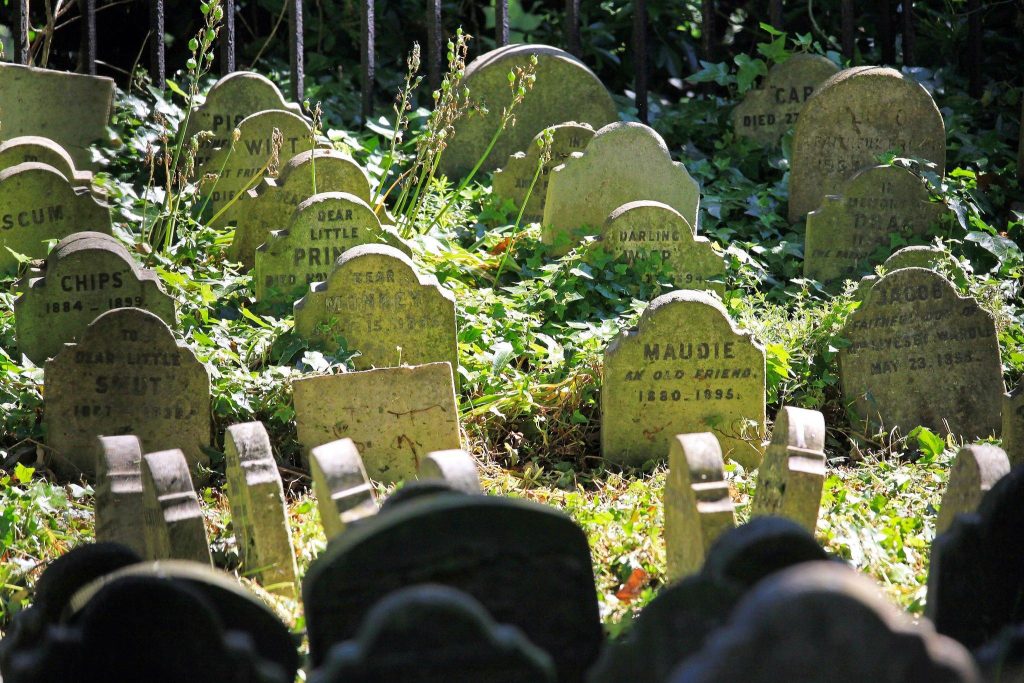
(172, 518)
(343, 490)
(29, 148)
(975, 471)
(685, 369)
(792, 474)
(119, 500)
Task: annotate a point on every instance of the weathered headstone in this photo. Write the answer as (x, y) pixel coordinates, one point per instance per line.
(41, 205)
(792, 474)
(457, 467)
(119, 501)
(698, 508)
(624, 162)
(394, 416)
(126, 375)
(514, 179)
(73, 110)
(918, 256)
(1013, 424)
(344, 493)
(685, 369)
(645, 229)
(565, 90)
(32, 148)
(767, 113)
(853, 231)
(258, 511)
(86, 274)
(852, 118)
(376, 299)
(324, 227)
(172, 520)
(921, 354)
(230, 100)
(975, 470)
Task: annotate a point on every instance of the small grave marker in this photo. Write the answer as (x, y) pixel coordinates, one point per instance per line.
(32, 148)
(172, 520)
(792, 474)
(344, 493)
(119, 499)
(457, 467)
(974, 472)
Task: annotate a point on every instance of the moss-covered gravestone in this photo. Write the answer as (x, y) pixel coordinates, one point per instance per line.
(1013, 424)
(852, 118)
(125, 375)
(119, 500)
(343, 491)
(767, 113)
(918, 256)
(86, 274)
(32, 148)
(324, 227)
(394, 416)
(39, 205)
(792, 474)
(976, 470)
(624, 162)
(172, 519)
(514, 180)
(456, 467)
(644, 230)
(685, 369)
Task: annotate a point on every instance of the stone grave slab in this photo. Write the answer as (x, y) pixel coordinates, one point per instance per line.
(259, 514)
(645, 229)
(32, 148)
(126, 375)
(921, 354)
(685, 369)
(514, 179)
(565, 90)
(1013, 424)
(624, 162)
(343, 490)
(792, 474)
(853, 117)
(394, 416)
(917, 256)
(747, 554)
(37, 102)
(86, 274)
(172, 520)
(975, 471)
(698, 508)
(41, 205)
(119, 501)
(456, 467)
(322, 228)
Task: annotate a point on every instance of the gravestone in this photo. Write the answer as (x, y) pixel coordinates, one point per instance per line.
(698, 508)
(1013, 424)
(763, 546)
(853, 231)
(323, 228)
(767, 113)
(41, 205)
(624, 162)
(270, 206)
(376, 299)
(921, 354)
(86, 274)
(500, 551)
(645, 229)
(434, 634)
(126, 375)
(565, 90)
(456, 467)
(685, 369)
(119, 501)
(852, 118)
(792, 474)
(394, 416)
(514, 180)
(918, 256)
(417, 490)
(259, 514)
(976, 470)
(32, 148)
(172, 520)
(73, 110)
(344, 493)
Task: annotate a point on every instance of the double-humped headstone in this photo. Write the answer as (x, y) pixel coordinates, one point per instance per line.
(698, 508)
(73, 110)
(1013, 424)
(767, 113)
(86, 274)
(32, 148)
(172, 519)
(921, 354)
(343, 491)
(853, 231)
(792, 474)
(644, 229)
(258, 511)
(380, 304)
(394, 416)
(525, 169)
(119, 501)
(41, 205)
(624, 162)
(975, 471)
(456, 467)
(851, 119)
(565, 90)
(685, 369)
(125, 375)
(322, 229)
(270, 206)
(498, 550)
